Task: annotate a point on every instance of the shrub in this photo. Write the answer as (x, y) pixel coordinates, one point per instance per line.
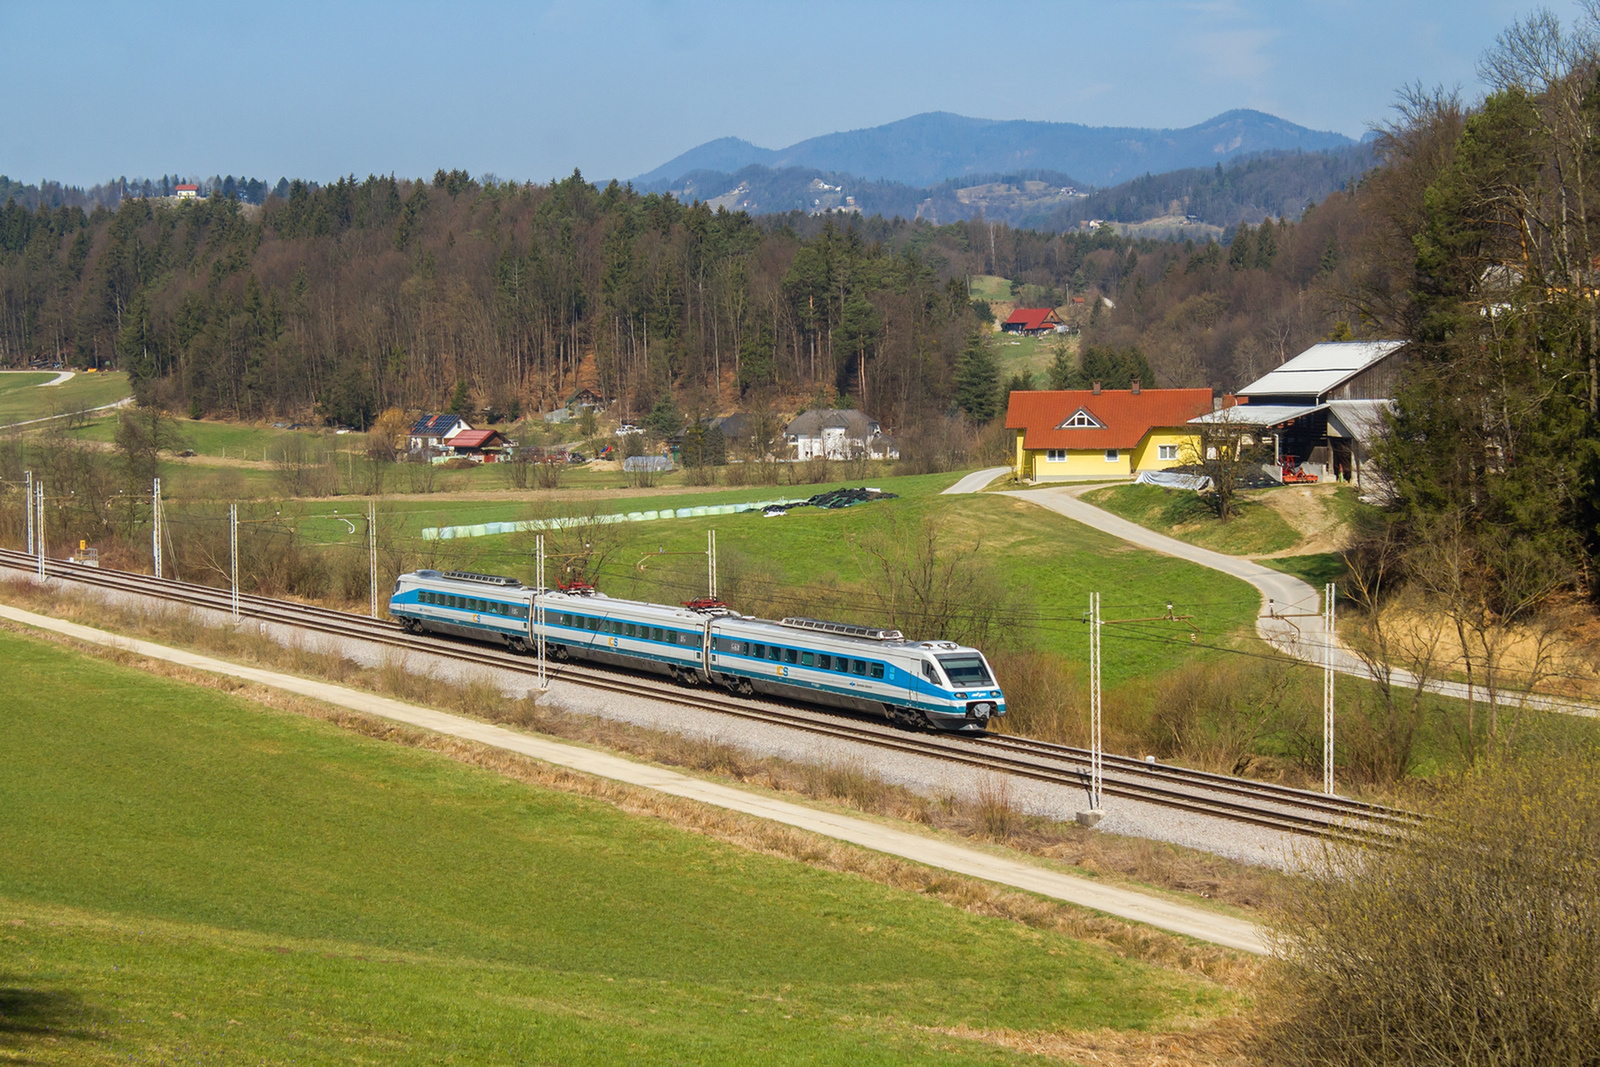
(1474, 941)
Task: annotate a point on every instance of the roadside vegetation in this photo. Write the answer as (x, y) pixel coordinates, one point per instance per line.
(1255, 528)
(459, 912)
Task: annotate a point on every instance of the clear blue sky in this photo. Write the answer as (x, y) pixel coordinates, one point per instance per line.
(532, 90)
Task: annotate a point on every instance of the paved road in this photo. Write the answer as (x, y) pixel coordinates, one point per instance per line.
(976, 481)
(1124, 903)
(1284, 597)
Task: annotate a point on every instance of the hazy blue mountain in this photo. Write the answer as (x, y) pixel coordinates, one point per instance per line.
(927, 149)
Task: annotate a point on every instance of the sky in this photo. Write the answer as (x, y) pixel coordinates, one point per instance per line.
(532, 91)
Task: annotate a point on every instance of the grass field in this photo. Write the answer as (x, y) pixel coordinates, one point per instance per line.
(19, 404)
(191, 877)
(24, 379)
(1184, 515)
(1040, 564)
(990, 287)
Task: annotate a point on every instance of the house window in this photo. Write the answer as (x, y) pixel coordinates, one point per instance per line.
(1056, 455)
(1166, 451)
(1082, 420)
(1112, 455)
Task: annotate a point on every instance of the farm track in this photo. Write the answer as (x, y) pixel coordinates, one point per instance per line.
(1202, 793)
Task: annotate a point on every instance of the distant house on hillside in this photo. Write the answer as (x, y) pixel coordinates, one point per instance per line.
(1065, 434)
(434, 431)
(585, 400)
(1033, 322)
(186, 192)
(484, 446)
(1324, 407)
(838, 434)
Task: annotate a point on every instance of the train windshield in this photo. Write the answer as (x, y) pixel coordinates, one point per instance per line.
(966, 670)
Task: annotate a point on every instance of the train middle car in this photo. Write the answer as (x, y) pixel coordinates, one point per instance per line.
(927, 683)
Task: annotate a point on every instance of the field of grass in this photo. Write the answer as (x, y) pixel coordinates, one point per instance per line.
(1318, 568)
(990, 287)
(19, 404)
(1040, 564)
(1029, 355)
(24, 379)
(190, 876)
(1184, 515)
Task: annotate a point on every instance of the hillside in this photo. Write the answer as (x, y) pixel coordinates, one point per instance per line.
(931, 148)
(1247, 189)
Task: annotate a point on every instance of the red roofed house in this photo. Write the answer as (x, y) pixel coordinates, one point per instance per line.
(1032, 322)
(1099, 433)
(485, 446)
(186, 192)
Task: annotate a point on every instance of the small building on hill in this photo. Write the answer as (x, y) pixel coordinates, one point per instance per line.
(434, 431)
(833, 433)
(1033, 322)
(1324, 407)
(186, 191)
(482, 446)
(1068, 434)
(586, 399)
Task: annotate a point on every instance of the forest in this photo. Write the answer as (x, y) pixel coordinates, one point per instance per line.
(362, 295)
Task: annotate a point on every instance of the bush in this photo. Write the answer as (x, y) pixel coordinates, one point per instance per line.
(1474, 941)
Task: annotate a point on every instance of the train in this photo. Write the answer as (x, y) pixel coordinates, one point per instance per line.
(940, 685)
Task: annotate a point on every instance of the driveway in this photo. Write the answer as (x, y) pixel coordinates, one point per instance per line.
(976, 480)
(1290, 609)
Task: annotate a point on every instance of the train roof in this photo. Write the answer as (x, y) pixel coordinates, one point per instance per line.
(787, 629)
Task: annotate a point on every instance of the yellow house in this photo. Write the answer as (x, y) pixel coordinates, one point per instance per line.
(1065, 434)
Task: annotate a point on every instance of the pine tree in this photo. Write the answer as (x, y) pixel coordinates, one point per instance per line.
(978, 381)
(1242, 252)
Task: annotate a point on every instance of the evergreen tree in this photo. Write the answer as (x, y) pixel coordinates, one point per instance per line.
(978, 381)
(1242, 252)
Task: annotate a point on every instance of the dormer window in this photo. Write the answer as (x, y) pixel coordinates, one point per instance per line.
(1082, 420)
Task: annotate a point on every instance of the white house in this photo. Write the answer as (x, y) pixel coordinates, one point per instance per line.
(836, 434)
(186, 192)
(435, 431)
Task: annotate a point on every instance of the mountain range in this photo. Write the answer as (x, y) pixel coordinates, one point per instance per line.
(935, 147)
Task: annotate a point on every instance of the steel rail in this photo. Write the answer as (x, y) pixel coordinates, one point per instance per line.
(1018, 756)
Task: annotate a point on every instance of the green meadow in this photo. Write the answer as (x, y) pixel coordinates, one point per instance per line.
(22, 399)
(190, 877)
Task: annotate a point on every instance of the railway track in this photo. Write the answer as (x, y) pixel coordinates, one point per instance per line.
(1221, 796)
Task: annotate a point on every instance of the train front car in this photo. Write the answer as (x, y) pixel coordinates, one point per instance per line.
(858, 667)
(956, 688)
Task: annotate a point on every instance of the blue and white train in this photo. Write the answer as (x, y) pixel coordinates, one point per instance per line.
(914, 683)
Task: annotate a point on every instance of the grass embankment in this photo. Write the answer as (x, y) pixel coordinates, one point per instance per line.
(189, 874)
(1178, 513)
(990, 287)
(21, 402)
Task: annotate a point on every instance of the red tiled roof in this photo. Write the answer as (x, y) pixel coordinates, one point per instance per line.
(189, 188)
(1125, 415)
(473, 438)
(1033, 318)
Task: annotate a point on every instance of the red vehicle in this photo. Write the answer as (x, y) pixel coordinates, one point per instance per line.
(1293, 475)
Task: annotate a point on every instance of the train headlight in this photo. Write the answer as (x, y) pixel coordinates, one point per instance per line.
(961, 696)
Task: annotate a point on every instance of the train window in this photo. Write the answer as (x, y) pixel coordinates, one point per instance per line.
(758, 651)
(858, 667)
(877, 670)
(692, 640)
(929, 673)
(966, 670)
(423, 598)
(450, 601)
(655, 633)
(808, 659)
(841, 664)
(825, 661)
(594, 624)
(773, 652)
(791, 656)
(633, 631)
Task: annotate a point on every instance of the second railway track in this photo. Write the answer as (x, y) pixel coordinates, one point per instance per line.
(1240, 800)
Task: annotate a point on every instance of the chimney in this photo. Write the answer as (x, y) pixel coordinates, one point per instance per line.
(1097, 387)
(1135, 387)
